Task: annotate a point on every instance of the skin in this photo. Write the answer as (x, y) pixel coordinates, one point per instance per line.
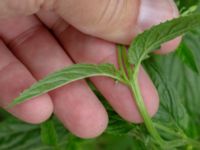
(38, 37)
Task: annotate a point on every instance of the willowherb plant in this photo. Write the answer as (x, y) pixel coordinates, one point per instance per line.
(139, 50)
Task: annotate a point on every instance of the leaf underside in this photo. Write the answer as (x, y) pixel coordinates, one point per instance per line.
(65, 76)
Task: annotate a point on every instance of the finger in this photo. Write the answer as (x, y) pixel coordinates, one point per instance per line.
(75, 104)
(116, 21)
(108, 19)
(14, 78)
(86, 49)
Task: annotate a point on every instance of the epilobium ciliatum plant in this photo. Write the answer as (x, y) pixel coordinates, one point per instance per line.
(139, 50)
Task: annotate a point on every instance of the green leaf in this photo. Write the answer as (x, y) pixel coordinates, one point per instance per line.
(48, 133)
(149, 40)
(187, 57)
(65, 76)
(172, 119)
(171, 110)
(185, 81)
(18, 135)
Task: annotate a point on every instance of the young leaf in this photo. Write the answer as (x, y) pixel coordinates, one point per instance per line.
(65, 76)
(151, 39)
(124, 64)
(121, 62)
(187, 57)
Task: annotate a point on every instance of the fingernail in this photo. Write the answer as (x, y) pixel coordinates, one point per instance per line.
(153, 12)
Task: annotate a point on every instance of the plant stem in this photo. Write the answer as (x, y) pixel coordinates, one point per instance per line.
(142, 109)
(134, 86)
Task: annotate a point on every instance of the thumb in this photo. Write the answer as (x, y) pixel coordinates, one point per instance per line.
(115, 20)
(107, 19)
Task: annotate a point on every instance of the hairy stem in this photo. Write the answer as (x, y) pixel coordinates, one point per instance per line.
(142, 109)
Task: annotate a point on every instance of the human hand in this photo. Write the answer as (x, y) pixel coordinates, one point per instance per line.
(33, 46)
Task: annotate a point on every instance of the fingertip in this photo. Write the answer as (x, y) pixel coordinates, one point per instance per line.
(93, 126)
(88, 123)
(163, 10)
(79, 110)
(34, 111)
(153, 12)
